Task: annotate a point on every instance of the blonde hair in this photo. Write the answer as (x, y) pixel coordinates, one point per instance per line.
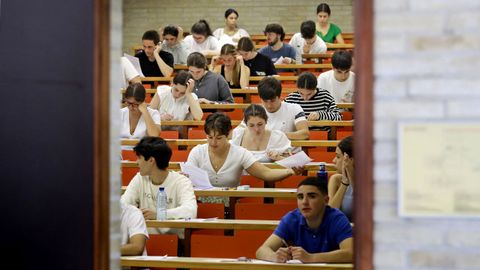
(229, 49)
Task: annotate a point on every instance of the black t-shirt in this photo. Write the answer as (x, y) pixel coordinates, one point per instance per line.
(261, 65)
(151, 69)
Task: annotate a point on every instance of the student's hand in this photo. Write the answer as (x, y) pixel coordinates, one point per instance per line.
(190, 85)
(287, 60)
(298, 253)
(205, 101)
(282, 255)
(239, 59)
(180, 34)
(314, 116)
(215, 60)
(298, 170)
(166, 117)
(307, 47)
(274, 155)
(347, 169)
(149, 214)
(142, 107)
(157, 49)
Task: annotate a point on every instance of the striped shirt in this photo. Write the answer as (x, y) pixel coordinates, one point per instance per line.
(322, 102)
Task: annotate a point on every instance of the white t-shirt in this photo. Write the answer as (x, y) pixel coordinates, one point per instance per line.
(210, 44)
(181, 201)
(238, 159)
(286, 118)
(342, 92)
(179, 108)
(297, 42)
(141, 129)
(226, 39)
(132, 223)
(128, 71)
(278, 141)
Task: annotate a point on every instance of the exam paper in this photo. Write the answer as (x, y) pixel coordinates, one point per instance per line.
(135, 62)
(300, 159)
(279, 61)
(198, 176)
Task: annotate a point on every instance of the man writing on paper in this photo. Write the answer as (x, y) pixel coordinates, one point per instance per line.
(153, 157)
(317, 232)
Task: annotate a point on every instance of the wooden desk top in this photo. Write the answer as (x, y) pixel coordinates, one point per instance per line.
(252, 192)
(321, 123)
(223, 224)
(280, 78)
(193, 142)
(222, 263)
(313, 166)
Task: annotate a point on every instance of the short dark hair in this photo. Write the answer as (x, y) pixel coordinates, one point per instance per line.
(313, 181)
(155, 147)
(269, 88)
(245, 44)
(306, 80)
(135, 90)
(275, 28)
(198, 60)
(170, 30)
(346, 146)
(342, 60)
(219, 123)
(182, 77)
(151, 35)
(201, 28)
(323, 7)
(254, 110)
(230, 11)
(308, 29)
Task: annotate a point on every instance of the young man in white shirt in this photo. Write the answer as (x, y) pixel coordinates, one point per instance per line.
(307, 41)
(340, 80)
(153, 157)
(134, 231)
(287, 117)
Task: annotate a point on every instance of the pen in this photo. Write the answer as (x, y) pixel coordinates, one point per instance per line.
(284, 243)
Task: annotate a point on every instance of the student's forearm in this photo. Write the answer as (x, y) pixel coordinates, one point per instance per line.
(164, 68)
(244, 76)
(336, 256)
(336, 200)
(152, 128)
(195, 108)
(298, 135)
(131, 250)
(266, 253)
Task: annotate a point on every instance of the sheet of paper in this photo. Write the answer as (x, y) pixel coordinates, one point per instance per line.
(198, 176)
(297, 160)
(279, 61)
(135, 62)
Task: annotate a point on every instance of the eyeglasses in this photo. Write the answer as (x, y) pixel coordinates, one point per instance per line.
(131, 104)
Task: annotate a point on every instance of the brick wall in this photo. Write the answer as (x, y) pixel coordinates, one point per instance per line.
(426, 62)
(140, 16)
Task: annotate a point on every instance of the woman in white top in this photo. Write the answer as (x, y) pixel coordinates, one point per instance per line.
(265, 145)
(233, 69)
(230, 34)
(224, 162)
(202, 40)
(137, 119)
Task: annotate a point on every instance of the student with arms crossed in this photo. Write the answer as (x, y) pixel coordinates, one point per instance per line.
(313, 233)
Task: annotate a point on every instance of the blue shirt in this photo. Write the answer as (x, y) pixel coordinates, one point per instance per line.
(334, 228)
(286, 51)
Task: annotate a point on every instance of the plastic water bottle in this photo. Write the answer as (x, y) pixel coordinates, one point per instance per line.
(161, 204)
(322, 174)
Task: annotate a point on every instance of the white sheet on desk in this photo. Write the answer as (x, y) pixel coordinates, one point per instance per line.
(199, 177)
(135, 62)
(300, 159)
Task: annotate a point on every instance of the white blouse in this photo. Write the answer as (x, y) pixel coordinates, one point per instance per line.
(141, 129)
(226, 39)
(210, 44)
(278, 141)
(179, 108)
(238, 159)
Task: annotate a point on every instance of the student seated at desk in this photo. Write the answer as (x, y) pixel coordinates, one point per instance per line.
(230, 34)
(153, 157)
(317, 103)
(339, 81)
(266, 145)
(136, 118)
(134, 231)
(177, 102)
(307, 41)
(286, 117)
(153, 61)
(234, 70)
(202, 40)
(224, 162)
(341, 184)
(209, 86)
(314, 232)
(259, 64)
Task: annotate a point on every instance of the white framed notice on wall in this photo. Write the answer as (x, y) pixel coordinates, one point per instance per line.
(439, 169)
